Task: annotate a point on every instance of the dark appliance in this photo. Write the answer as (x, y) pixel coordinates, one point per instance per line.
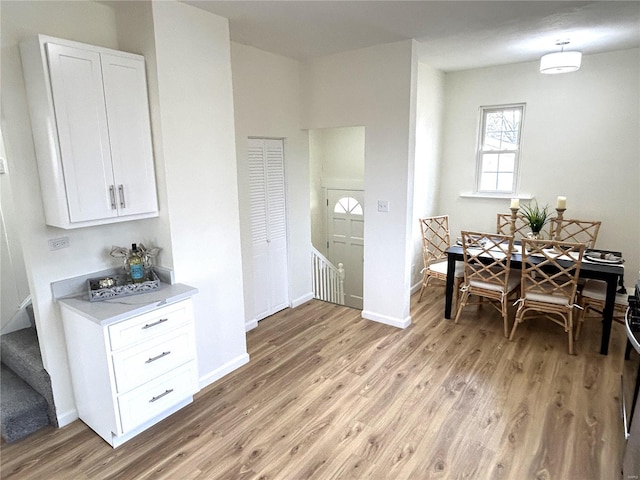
(630, 385)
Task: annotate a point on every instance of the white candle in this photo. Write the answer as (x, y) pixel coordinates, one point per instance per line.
(515, 203)
(561, 203)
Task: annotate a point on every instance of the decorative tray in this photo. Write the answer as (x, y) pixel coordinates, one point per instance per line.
(603, 257)
(119, 286)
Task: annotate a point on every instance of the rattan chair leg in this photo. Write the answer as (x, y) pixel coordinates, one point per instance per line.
(516, 321)
(570, 332)
(461, 304)
(505, 316)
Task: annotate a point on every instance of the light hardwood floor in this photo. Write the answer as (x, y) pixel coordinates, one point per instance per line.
(328, 395)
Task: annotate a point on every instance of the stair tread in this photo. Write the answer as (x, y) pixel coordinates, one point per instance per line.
(22, 343)
(22, 409)
(20, 352)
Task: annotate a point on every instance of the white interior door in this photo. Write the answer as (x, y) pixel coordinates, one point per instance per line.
(268, 226)
(345, 239)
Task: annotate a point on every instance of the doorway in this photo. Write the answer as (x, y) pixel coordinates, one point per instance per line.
(336, 159)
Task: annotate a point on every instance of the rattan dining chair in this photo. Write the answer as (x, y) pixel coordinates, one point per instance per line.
(436, 239)
(487, 272)
(578, 231)
(550, 271)
(593, 297)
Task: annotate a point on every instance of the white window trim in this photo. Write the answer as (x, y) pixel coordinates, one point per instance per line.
(478, 160)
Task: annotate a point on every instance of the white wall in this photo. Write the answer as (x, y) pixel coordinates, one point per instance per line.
(14, 286)
(192, 116)
(195, 95)
(267, 92)
(429, 116)
(343, 157)
(580, 139)
(372, 87)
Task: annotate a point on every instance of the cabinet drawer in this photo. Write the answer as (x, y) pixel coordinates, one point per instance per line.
(150, 400)
(137, 365)
(146, 326)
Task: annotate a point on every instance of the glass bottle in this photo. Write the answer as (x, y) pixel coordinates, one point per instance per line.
(136, 267)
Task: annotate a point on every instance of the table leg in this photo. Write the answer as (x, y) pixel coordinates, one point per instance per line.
(607, 314)
(448, 299)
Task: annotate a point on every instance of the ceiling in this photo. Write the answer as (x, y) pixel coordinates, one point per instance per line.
(453, 35)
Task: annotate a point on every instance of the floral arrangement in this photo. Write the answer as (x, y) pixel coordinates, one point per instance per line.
(535, 216)
(145, 253)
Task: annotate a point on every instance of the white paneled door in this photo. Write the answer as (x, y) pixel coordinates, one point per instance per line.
(345, 240)
(268, 226)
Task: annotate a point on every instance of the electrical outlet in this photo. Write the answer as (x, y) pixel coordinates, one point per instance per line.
(383, 205)
(58, 243)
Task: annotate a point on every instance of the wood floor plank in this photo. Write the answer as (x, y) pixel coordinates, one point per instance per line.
(329, 395)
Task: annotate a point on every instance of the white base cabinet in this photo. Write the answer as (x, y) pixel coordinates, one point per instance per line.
(131, 373)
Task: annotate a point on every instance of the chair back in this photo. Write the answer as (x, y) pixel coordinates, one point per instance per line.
(522, 228)
(577, 231)
(487, 260)
(550, 270)
(435, 238)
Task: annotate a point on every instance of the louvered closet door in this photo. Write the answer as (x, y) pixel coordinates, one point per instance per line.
(268, 226)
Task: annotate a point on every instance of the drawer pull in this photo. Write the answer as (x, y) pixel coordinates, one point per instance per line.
(149, 325)
(121, 193)
(112, 195)
(166, 392)
(153, 359)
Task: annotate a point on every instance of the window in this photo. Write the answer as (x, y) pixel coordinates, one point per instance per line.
(499, 149)
(348, 205)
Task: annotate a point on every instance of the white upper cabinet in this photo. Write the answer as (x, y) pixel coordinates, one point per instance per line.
(90, 119)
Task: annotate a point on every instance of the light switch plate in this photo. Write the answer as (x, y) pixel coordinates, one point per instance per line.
(383, 205)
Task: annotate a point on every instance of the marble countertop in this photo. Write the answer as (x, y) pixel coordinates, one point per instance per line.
(72, 294)
(116, 309)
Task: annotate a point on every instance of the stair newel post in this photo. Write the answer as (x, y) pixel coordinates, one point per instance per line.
(341, 282)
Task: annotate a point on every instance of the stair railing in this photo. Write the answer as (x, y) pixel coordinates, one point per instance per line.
(328, 280)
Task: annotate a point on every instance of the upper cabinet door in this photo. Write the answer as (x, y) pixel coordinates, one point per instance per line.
(125, 88)
(78, 98)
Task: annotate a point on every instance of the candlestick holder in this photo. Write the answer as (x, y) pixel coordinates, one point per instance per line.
(512, 225)
(559, 217)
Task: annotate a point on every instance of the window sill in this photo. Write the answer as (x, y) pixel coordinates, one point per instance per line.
(497, 196)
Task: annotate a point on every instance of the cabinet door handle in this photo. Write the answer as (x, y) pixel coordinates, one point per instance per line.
(149, 325)
(121, 193)
(112, 195)
(166, 392)
(157, 357)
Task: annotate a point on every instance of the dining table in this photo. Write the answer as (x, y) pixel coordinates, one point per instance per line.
(611, 273)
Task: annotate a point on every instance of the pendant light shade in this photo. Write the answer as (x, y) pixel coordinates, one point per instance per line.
(560, 62)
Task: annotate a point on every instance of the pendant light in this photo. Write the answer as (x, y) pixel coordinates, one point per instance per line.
(561, 62)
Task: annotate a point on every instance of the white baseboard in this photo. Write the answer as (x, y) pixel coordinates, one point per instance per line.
(304, 299)
(250, 325)
(394, 322)
(218, 373)
(65, 418)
